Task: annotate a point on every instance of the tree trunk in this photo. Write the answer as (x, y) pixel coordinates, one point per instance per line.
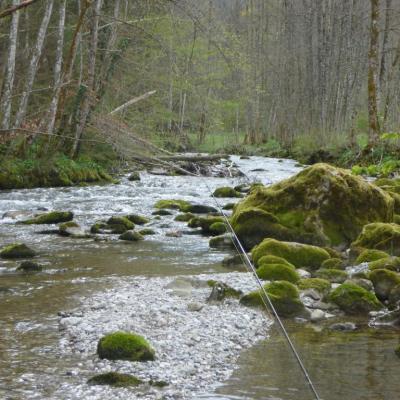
(373, 66)
(5, 101)
(33, 66)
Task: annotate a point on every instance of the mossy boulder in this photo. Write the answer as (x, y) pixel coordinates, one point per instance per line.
(131, 236)
(186, 217)
(333, 263)
(322, 286)
(17, 250)
(370, 255)
(65, 226)
(217, 228)
(391, 263)
(172, 204)
(162, 212)
(354, 299)
(137, 219)
(134, 176)
(278, 272)
(379, 236)
(147, 231)
(222, 242)
(284, 297)
(119, 224)
(321, 205)
(98, 227)
(125, 346)
(115, 379)
(53, 217)
(384, 281)
(205, 223)
(29, 266)
(332, 275)
(270, 259)
(199, 209)
(298, 254)
(226, 191)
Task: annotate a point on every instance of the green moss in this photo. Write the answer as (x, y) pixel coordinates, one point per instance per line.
(162, 212)
(269, 259)
(147, 231)
(380, 236)
(284, 297)
(98, 226)
(205, 223)
(278, 272)
(17, 250)
(125, 346)
(332, 275)
(228, 291)
(131, 236)
(321, 285)
(396, 219)
(199, 209)
(370, 255)
(300, 255)
(65, 225)
(226, 191)
(53, 217)
(115, 379)
(172, 204)
(217, 228)
(137, 219)
(391, 263)
(384, 281)
(321, 205)
(120, 225)
(186, 217)
(353, 299)
(333, 263)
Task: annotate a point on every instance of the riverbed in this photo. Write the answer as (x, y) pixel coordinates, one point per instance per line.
(50, 321)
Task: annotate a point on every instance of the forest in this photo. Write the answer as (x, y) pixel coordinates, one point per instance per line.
(313, 80)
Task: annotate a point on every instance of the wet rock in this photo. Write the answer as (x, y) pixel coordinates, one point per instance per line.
(343, 327)
(99, 227)
(300, 255)
(131, 236)
(205, 223)
(73, 230)
(305, 208)
(147, 231)
(186, 217)
(353, 299)
(303, 273)
(162, 212)
(199, 209)
(134, 176)
(17, 250)
(222, 242)
(243, 188)
(379, 236)
(317, 315)
(18, 214)
(391, 318)
(115, 379)
(221, 290)
(231, 261)
(218, 228)
(137, 219)
(125, 346)
(226, 191)
(29, 266)
(278, 272)
(119, 225)
(176, 234)
(172, 204)
(53, 217)
(384, 281)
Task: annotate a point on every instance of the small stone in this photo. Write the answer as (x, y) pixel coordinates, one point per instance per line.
(317, 315)
(343, 327)
(195, 306)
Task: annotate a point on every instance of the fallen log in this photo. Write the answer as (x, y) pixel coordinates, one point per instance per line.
(194, 157)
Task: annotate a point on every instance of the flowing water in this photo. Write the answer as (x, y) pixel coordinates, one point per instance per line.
(349, 366)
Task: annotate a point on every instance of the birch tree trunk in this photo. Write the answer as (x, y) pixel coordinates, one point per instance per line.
(90, 90)
(5, 101)
(33, 66)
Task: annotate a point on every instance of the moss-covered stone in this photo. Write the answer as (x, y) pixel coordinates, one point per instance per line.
(270, 259)
(332, 275)
(217, 228)
(53, 217)
(98, 227)
(134, 176)
(284, 297)
(226, 290)
(162, 212)
(205, 223)
(370, 255)
(278, 272)
(226, 191)
(353, 299)
(147, 231)
(172, 204)
(115, 379)
(222, 242)
(333, 253)
(119, 225)
(137, 219)
(391, 263)
(131, 236)
(199, 209)
(63, 228)
(17, 250)
(321, 205)
(333, 263)
(321, 285)
(29, 266)
(300, 255)
(384, 281)
(186, 217)
(125, 346)
(379, 236)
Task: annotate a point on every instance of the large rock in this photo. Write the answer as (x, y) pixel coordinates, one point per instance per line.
(298, 254)
(17, 250)
(321, 205)
(384, 281)
(379, 236)
(125, 346)
(53, 217)
(114, 379)
(278, 272)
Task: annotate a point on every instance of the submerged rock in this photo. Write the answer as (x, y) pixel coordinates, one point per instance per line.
(137, 219)
(321, 205)
(29, 266)
(131, 236)
(226, 191)
(300, 255)
(186, 217)
(119, 224)
(115, 379)
(353, 299)
(162, 212)
(53, 217)
(147, 231)
(222, 242)
(17, 250)
(125, 346)
(343, 327)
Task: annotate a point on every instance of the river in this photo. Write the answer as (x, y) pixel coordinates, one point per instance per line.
(79, 274)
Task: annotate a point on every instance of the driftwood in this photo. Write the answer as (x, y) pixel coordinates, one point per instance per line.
(194, 157)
